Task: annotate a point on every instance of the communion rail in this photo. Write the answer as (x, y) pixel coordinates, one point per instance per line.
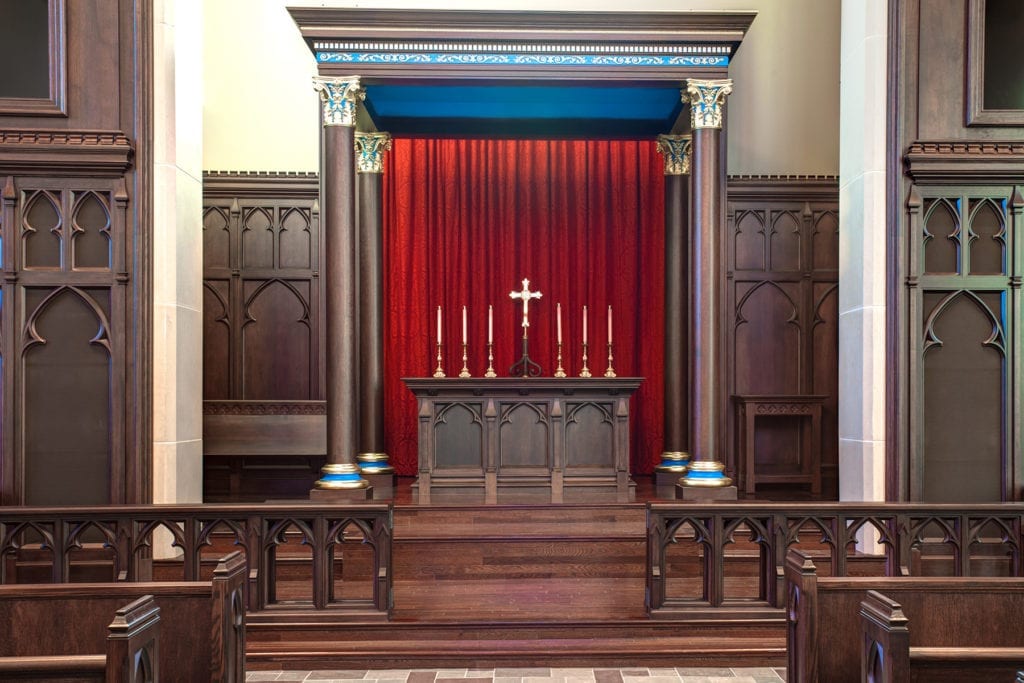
(895, 539)
(194, 535)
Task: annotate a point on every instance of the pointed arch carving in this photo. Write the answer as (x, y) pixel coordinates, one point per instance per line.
(32, 336)
(794, 317)
(942, 256)
(996, 339)
(85, 249)
(38, 252)
(249, 318)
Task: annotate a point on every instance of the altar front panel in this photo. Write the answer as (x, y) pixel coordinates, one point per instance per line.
(524, 440)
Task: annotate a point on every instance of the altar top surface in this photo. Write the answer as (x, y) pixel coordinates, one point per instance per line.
(518, 385)
(523, 73)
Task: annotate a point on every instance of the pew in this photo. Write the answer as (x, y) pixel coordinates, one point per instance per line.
(823, 630)
(132, 650)
(202, 623)
(887, 657)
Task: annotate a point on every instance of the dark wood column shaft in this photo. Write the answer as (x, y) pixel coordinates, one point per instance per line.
(371, 313)
(676, 313)
(706, 243)
(339, 225)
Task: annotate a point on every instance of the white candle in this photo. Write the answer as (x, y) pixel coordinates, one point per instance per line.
(584, 324)
(464, 324)
(609, 324)
(490, 324)
(439, 325)
(558, 321)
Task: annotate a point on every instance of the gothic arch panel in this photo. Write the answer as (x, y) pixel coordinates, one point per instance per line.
(963, 407)
(276, 341)
(767, 311)
(749, 240)
(42, 230)
(295, 243)
(216, 340)
(785, 241)
(67, 418)
(90, 227)
(257, 238)
(216, 238)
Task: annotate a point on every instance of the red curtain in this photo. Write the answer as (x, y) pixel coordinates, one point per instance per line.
(466, 220)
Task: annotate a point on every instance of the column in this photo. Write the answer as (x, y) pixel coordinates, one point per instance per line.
(373, 461)
(708, 399)
(340, 478)
(674, 459)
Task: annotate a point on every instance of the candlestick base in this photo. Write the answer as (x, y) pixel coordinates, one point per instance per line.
(610, 372)
(490, 373)
(560, 371)
(465, 369)
(439, 371)
(585, 372)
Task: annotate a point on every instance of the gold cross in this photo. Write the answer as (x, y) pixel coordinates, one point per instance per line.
(525, 295)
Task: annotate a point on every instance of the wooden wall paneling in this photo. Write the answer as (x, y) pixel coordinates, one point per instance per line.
(962, 350)
(783, 295)
(8, 204)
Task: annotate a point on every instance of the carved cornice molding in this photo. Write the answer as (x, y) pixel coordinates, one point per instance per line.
(264, 408)
(38, 152)
(955, 161)
(783, 187)
(231, 184)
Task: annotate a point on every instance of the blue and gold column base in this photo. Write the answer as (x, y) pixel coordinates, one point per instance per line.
(673, 461)
(340, 477)
(374, 463)
(706, 473)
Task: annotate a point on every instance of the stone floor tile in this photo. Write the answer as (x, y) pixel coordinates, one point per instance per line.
(262, 675)
(607, 676)
(720, 671)
(718, 679)
(650, 679)
(507, 679)
(421, 676)
(579, 674)
(522, 673)
(781, 670)
(477, 673)
(336, 674)
(387, 674)
(664, 672)
(296, 675)
(634, 672)
(543, 679)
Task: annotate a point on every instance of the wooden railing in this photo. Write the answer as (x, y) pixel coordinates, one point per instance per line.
(900, 539)
(130, 536)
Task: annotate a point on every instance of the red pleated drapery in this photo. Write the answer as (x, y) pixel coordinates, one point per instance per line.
(466, 220)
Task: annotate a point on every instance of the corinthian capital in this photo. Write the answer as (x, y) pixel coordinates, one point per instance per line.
(677, 149)
(706, 99)
(370, 148)
(339, 97)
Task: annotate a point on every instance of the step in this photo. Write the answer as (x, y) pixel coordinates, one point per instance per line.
(515, 522)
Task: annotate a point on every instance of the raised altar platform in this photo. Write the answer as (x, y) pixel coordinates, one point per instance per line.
(543, 439)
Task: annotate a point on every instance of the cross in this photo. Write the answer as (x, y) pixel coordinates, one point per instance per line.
(525, 295)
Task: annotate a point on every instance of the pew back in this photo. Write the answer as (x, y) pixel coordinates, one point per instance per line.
(202, 623)
(823, 615)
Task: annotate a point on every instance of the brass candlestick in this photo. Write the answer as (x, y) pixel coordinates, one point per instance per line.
(438, 371)
(490, 361)
(609, 372)
(559, 371)
(585, 372)
(465, 370)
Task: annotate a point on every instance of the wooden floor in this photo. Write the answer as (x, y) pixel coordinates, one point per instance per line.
(516, 585)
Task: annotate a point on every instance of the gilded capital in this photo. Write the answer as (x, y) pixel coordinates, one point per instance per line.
(370, 148)
(706, 99)
(339, 97)
(677, 150)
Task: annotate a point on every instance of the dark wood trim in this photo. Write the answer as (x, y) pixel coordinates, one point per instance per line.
(976, 114)
(959, 161)
(55, 104)
(46, 152)
(236, 184)
(795, 187)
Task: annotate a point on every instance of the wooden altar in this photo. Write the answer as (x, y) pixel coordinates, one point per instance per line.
(524, 440)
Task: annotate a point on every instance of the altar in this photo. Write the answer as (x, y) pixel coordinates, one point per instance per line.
(538, 439)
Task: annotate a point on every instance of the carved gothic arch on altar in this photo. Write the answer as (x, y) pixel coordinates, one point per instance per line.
(580, 74)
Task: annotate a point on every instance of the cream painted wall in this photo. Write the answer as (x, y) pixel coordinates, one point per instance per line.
(260, 111)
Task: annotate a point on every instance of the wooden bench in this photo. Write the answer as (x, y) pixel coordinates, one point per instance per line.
(202, 623)
(823, 632)
(132, 649)
(887, 657)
